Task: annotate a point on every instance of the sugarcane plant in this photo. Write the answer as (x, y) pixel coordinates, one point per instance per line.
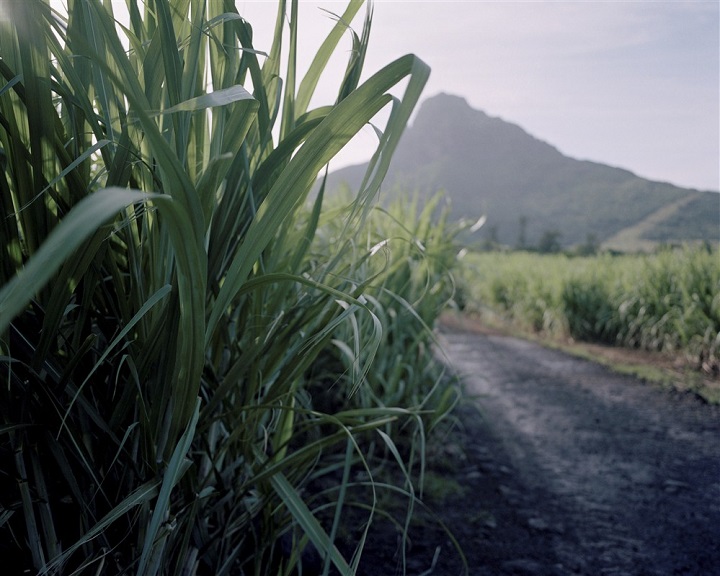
(165, 306)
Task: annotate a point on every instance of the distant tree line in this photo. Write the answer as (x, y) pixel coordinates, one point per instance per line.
(548, 243)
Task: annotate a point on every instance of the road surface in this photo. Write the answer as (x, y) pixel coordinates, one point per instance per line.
(613, 476)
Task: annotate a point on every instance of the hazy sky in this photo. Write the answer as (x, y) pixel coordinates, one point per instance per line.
(633, 84)
(630, 83)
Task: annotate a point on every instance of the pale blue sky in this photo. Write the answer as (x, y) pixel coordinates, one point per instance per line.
(632, 84)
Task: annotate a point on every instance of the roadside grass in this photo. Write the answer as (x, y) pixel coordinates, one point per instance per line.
(189, 345)
(667, 302)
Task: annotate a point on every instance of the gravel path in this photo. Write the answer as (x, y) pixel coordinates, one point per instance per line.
(594, 473)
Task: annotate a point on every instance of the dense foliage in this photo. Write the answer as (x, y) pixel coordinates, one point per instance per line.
(195, 361)
(668, 301)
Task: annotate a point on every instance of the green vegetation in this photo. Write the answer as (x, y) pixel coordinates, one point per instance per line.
(697, 220)
(668, 301)
(202, 373)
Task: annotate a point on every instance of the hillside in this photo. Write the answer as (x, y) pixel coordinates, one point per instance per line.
(527, 188)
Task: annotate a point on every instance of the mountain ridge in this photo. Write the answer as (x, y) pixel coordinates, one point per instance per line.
(526, 187)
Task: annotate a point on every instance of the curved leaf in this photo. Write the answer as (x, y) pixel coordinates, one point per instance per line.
(84, 219)
(336, 130)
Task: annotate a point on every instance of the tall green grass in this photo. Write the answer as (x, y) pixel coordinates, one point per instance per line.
(668, 301)
(408, 254)
(183, 356)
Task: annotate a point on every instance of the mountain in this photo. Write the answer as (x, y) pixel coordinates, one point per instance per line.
(528, 189)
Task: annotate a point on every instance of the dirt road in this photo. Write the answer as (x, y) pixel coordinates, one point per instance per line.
(577, 470)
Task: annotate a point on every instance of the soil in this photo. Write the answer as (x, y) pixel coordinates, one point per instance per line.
(559, 466)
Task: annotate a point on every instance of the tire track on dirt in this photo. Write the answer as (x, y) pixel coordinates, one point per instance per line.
(623, 477)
